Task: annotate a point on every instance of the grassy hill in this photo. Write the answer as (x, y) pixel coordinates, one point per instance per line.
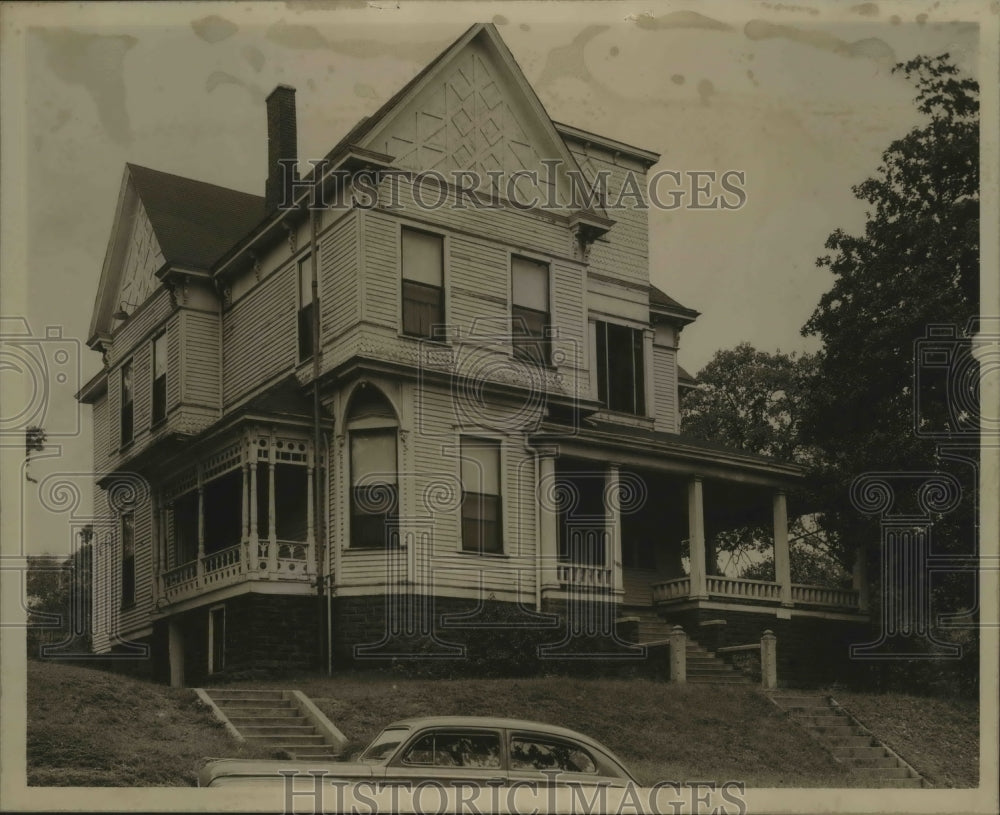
(90, 728)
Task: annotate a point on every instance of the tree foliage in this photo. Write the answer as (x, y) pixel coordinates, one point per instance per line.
(58, 600)
(915, 265)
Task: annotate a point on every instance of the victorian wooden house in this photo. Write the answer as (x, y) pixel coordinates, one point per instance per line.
(314, 422)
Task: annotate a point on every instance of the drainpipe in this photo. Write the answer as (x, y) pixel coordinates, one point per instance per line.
(319, 527)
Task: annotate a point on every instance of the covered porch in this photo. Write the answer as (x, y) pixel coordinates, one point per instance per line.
(643, 529)
(244, 511)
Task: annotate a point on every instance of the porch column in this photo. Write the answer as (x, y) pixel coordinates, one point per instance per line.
(548, 522)
(782, 563)
(253, 505)
(859, 578)
(200, 567)
(696, 539)
(175, 654)
(272, 518)
(613, 525)
(310, 507)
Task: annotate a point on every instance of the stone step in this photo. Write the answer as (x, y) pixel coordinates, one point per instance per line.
(268, 701)
(882, 772)
(241, 722)
(246, 711)
(277, 730)
(235, 693)
(822, 719)
(730, 679)
(859, 763)
(867, 751)
(283, 740)
(835, 732)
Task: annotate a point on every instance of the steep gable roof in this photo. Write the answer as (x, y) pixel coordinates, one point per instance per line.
(195, 222)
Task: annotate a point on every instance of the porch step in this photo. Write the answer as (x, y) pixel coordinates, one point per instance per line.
(848, 741)
(272, 717)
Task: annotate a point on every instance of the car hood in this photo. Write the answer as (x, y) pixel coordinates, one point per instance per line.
(243, 769)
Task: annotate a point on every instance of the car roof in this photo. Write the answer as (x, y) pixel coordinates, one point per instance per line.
(495, 722)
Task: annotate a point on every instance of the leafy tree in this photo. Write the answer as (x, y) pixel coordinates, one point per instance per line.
(753, 401)
(915, 265)
(58, 599)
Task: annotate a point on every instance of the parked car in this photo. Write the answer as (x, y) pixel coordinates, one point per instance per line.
(450, 751)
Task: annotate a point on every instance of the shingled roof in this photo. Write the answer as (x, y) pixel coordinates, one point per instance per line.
(195, 222)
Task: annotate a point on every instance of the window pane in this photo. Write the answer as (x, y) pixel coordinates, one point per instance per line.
(160, 356)
(481, 466)
(423, 257)
(305, 332)
(305, 281)
(541, 754)
(456, 750)
(530, 284)
(620, 381)
(482, 530)
(127, 383)
(423, 308)
(373, 456)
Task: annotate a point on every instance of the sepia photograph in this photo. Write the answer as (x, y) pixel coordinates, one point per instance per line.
(544, 406)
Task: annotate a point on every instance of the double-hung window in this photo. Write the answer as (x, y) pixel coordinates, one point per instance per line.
(307, 309)
(482, 529)
(128, 559)
(530, 310)
(620, 379)
(422, 264)
(374, 488)
(159, 379)
(127, 406)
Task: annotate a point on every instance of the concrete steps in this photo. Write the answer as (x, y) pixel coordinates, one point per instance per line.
(703, 667)
(849, 742)
(273, 718)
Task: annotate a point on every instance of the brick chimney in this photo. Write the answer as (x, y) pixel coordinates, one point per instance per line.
(282, 143)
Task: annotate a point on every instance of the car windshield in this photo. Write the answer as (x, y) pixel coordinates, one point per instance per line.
(384, 744)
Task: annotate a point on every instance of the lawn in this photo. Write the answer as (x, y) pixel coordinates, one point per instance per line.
(96, 729)
(90, 728)
(939, 737)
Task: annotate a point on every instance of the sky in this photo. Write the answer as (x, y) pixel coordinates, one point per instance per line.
(800, 98)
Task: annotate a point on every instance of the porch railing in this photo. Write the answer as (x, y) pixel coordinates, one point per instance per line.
(671, 590)
(571, 575)
(822, 596)
(734, 587)
(756, 591)
(289, 560)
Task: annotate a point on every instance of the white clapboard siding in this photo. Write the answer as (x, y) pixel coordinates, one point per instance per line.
(624, 251)
(339, 291)
(522, 231)
(259, 335)
(569, 316)
(666, 416)
(381, 274)
(202, 357)
(139, 328)
(102, 457)
(478, 287)
(137, 617)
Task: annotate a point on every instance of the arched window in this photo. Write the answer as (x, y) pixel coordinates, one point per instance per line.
(372, 429)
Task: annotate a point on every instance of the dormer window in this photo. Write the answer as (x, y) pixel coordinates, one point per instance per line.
(422, 264)
(530, 321)
(620, 381)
